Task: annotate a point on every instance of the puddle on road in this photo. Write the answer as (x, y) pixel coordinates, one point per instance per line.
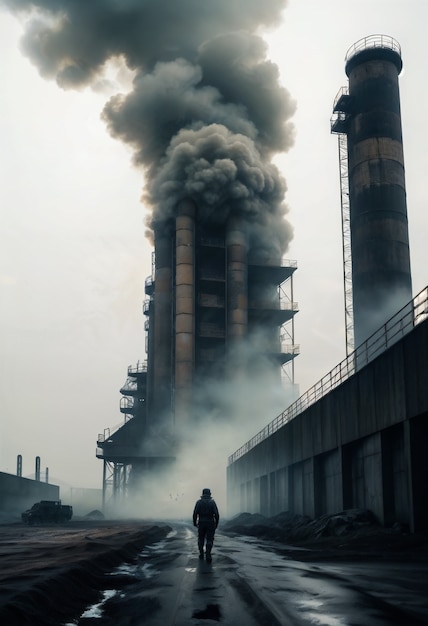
(212, 611)
(96, 609)
(319, 618)
(324, 620)
(137, 571)
(146, 570)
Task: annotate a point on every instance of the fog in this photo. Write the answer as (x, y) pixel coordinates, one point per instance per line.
(246, 406)
(75, 255)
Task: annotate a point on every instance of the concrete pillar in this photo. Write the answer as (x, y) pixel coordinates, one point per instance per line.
(416, 434)
(184, 311)
(308, 487)
(273, 496)
(408, 461)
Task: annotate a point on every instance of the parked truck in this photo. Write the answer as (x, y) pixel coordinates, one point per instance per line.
(47, 511)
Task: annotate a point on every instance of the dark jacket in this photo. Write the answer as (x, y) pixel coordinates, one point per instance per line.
(206, 511)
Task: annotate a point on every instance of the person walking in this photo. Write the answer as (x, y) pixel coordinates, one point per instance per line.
(206, 518)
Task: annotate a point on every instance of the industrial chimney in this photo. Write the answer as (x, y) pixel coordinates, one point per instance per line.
(37, 469)
(216, 312)
(367, 118)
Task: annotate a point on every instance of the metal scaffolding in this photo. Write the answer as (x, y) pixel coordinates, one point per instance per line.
(339, 126)
(346, 242)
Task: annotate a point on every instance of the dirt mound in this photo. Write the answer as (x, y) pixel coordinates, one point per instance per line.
(95, 515)
(353, 533)
(51, 575)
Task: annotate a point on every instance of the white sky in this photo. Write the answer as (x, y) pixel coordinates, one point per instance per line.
(73, 256)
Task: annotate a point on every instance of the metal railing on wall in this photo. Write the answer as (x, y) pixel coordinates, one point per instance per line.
(412, 314)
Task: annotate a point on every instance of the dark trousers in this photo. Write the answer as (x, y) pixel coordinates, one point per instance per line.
(206, 532)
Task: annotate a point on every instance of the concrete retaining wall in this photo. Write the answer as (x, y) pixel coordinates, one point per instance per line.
(361, 446)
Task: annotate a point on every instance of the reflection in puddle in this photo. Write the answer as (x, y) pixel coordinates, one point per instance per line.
(96, 609)
(138, 570)
(311, 604)
(319, 618)
(324, 620)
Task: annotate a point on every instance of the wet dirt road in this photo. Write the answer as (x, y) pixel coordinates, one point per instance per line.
(255, 583)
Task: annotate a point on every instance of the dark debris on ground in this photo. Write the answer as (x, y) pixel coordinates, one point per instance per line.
(352, 533)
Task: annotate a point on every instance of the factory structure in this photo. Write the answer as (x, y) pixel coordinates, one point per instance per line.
(220, 308)
(216, 310)
(356, 438)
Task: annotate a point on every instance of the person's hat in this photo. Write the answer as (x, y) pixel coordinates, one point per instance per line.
(206, 492)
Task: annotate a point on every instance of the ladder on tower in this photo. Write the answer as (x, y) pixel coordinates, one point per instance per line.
(346, 241)
(339, 126)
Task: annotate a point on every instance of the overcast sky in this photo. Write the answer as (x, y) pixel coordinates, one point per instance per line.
(73, 256)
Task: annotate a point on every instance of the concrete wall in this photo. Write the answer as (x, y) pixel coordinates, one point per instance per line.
(363, 446)
(18, 494)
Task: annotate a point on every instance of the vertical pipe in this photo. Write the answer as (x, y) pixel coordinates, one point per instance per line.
(37, 472)
(237, 284)
(184, 310)
(381, 278)
(19, 465)
(47, 475)
(104, 484)
(160, 385)
(292, 333)
(116, 482)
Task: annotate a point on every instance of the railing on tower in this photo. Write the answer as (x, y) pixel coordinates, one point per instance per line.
(373, 41)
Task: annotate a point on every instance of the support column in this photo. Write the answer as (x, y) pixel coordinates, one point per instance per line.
(161, 384)
(104, 484)
(184, 311)
(237, 289)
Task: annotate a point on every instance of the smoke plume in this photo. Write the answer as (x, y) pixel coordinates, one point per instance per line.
(205, 117)
(206, 112)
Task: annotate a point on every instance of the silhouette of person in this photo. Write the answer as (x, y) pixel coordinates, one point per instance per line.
(206, 517)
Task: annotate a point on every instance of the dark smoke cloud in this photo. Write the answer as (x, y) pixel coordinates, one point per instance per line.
(206, 113)
(225, 173)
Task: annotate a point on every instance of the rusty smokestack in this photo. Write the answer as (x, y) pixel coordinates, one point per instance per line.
(19, 465)
(37, 469)
(184, 308)
(370, 116)
(237, 281)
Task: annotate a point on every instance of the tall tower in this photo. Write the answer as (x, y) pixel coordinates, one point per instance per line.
(217, 311)
(367, 116)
